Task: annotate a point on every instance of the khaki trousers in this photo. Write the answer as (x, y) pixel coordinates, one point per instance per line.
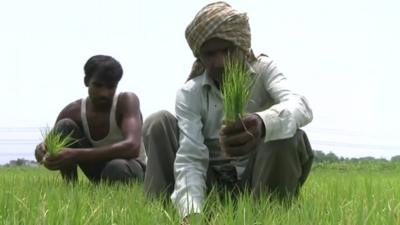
(277, 167)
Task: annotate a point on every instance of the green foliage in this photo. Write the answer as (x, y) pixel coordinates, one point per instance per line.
(236, 88)
(55, 141)
(320, 156)
(395, 158)
(328, 197)
(360, 165)
(21, 162)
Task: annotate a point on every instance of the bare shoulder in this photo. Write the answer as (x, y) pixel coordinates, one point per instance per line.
(71, 111)
(128, 98)
(128, 102)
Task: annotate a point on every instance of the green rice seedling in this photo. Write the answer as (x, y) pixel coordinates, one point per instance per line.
(329, 196)
(236, 88)
(54, 141)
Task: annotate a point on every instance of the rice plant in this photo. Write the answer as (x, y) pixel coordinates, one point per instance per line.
(339, 196)
(236, 88)
(55, 141)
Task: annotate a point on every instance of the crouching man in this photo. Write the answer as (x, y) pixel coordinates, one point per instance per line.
(107, 127)
(265, 152)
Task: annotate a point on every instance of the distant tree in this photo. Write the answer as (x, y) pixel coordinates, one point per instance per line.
(367, 158)
(395, 158)
(353, 159)
(382, 160)
(320, 156)
(21, 162)
(331, 157)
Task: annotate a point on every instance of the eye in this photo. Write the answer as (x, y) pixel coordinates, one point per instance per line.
(111, 86)
(207, 54)
(96, 84)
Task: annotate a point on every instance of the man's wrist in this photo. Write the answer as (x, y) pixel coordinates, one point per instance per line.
(76, 153)
(262, 125)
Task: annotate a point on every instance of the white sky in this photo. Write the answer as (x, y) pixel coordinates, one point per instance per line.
(342, 55)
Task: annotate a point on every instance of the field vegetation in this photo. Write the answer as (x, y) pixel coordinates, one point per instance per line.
(335, 193)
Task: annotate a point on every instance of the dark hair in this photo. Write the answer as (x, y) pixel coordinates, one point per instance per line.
(105, 66)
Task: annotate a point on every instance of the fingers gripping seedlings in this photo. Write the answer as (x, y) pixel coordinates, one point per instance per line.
(55, 141)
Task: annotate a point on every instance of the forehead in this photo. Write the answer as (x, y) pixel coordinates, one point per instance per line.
(215, 44)
(105, 78)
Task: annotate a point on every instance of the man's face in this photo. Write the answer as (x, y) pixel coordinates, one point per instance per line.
(212, 55)
(101, 91)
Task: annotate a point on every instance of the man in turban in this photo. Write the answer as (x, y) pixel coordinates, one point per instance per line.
(264, 152)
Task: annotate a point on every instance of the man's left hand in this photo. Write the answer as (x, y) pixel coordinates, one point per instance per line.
(65, 158)
(242, 136)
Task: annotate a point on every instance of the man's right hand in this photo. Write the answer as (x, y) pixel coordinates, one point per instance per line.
(40, 152)
(242, 136)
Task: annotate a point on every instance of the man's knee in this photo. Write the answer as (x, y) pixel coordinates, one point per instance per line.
(66, 126)
(156, 122)
(121, 170)
(304, 146)
(282, 165)
(286, 147)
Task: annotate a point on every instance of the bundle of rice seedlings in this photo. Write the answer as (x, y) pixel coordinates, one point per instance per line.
(54, 141)
(236, 88)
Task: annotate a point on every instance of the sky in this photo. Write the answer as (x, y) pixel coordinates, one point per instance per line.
(341, 55)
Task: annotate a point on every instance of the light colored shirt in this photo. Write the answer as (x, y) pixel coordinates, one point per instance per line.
(199, 110)
(114, 132)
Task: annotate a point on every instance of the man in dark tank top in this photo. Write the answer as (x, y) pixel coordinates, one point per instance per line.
(107, 126)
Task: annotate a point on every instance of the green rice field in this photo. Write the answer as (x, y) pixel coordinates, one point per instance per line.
(335, 193)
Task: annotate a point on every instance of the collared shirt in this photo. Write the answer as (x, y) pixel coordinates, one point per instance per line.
(199, 110)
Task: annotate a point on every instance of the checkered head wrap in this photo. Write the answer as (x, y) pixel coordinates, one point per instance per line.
(219, 20)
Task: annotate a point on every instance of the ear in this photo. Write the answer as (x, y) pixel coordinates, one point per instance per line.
(86, 81)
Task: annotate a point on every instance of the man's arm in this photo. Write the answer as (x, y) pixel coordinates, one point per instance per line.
(280, 121)
(69, 173)
(70, 111)
(291, 110)
(129, 147)
(191, 160)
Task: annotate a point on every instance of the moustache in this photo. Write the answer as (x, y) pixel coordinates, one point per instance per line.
(102, 100)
